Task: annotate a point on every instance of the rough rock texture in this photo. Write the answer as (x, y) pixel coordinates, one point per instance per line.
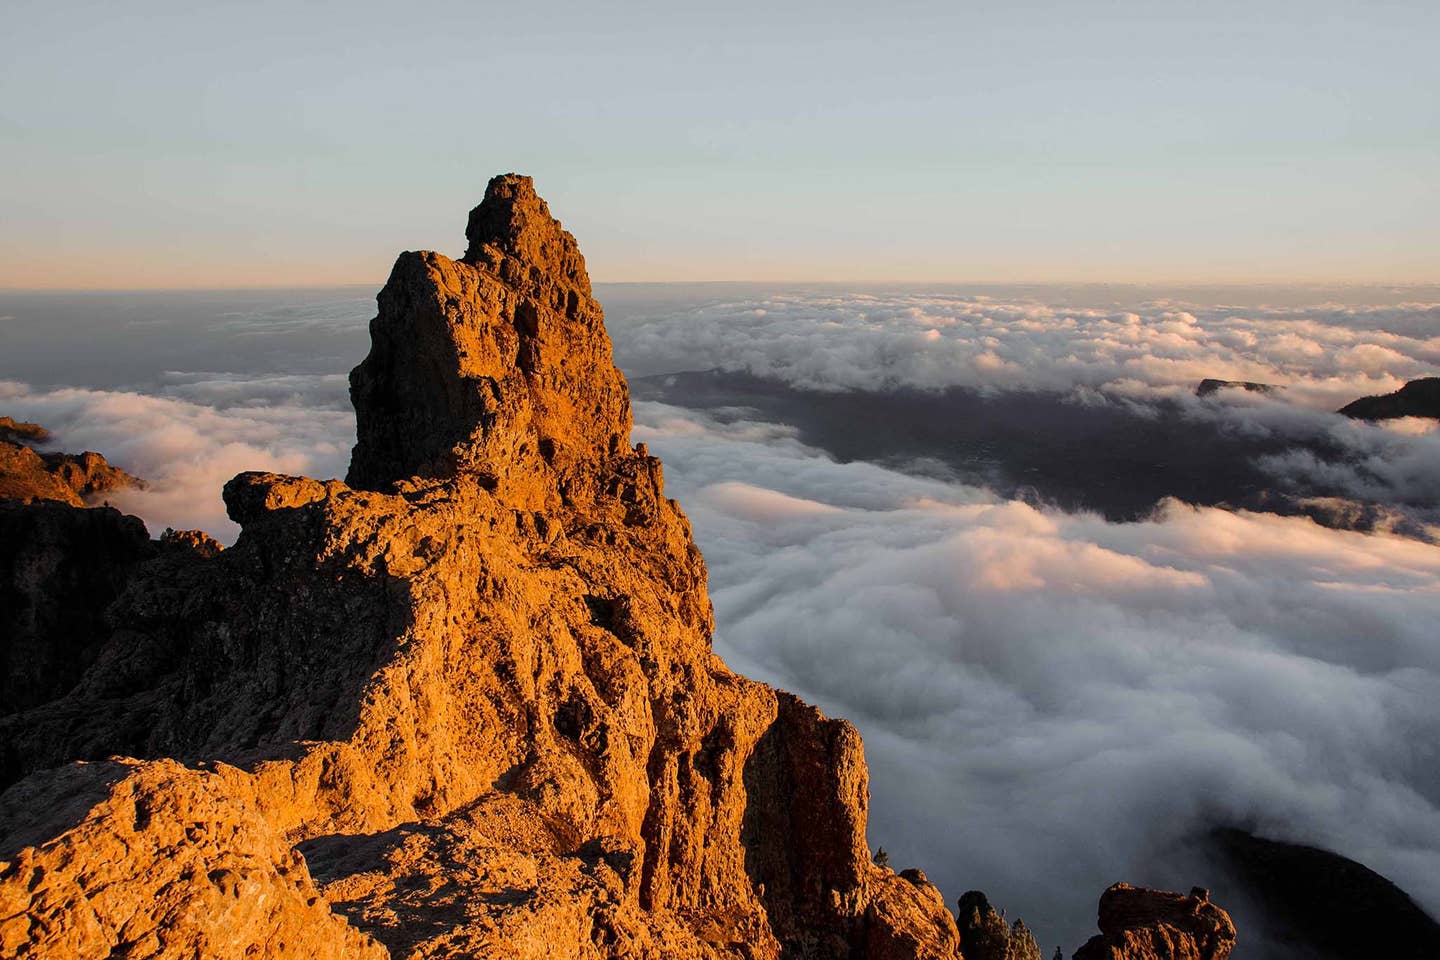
(60, 568)
(1418, 398)
(21, 432)
(462, 705)
(1140, 924)
(497, 364)
(906, 917)
(29, 476)
(161, 860)
(985, 934)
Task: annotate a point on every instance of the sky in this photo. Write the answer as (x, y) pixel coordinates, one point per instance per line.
(222, 145)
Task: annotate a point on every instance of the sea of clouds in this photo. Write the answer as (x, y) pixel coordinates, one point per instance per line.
(1050, 701)
(186, 389)
(186, 446)
(1324, 356)
(1121, 354)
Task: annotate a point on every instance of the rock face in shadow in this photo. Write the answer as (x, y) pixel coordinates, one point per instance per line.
(1418, 398)
(60, 565)
(987, 936)
(461, 705)
(60, 569)
(1140, 924)
(1321, 905)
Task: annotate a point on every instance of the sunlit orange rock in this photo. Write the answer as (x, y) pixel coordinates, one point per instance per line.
(1140, 924)
(462, 705)
(72, 478)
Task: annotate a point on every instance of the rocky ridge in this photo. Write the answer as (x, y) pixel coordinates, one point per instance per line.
(462, 704)
(1210, 386)
(1140, 924)
(1317, 904)
(61, 563)
(70, 478)
(1418, 398)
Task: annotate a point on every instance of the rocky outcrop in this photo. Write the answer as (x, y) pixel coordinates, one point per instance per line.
(1208, 387)
(70, 478)
(1418, 398)
(460, 705)
(497, 365)
(986, 935)
(1140, 924)
(21, 432)
(158, 861)
(906, 917)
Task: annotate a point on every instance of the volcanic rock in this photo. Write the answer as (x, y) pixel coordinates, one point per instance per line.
(157, 860)
(1140, 924)
(21, 432)
(60, 569)
(61, 566)
(461, 705)
(1418, 398)
(491, 364)
(70, 478)
(985, 935)
(1209, 386)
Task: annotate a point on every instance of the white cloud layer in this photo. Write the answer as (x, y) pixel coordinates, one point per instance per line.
(1325, 356)
(1048, 699)
(1392, 463)
(186, 447)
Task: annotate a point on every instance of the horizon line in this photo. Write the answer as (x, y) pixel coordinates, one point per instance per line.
(376, 285)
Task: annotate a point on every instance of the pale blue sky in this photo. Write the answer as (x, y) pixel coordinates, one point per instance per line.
(191, 144)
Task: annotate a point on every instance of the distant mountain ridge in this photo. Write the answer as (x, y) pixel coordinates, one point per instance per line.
(1418, 398)
(1321, 905)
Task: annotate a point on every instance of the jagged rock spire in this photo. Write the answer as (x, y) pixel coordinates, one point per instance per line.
(514, 222)
(497, 364)
(498, 678)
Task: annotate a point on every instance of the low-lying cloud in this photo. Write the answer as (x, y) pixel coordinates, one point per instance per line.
(1325, 356)
(1049, 701)
(1142, 361)
(186, 449)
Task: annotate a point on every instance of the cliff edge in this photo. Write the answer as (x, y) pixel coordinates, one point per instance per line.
(462, 704)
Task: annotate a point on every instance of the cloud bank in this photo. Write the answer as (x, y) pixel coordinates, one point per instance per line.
(187, 446)
(1325, 356)
(1050, 701)
(1138, 362)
